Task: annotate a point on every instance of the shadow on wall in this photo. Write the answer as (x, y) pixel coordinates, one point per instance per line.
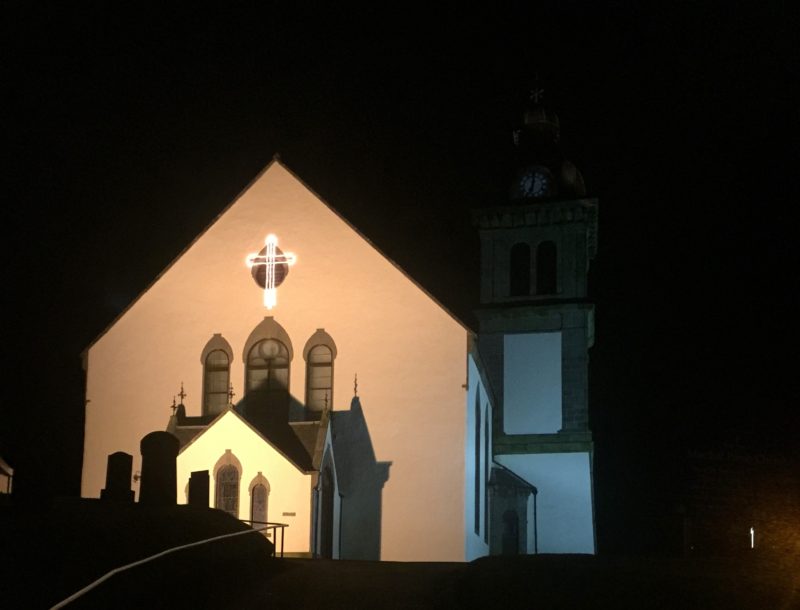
(272, 412)
(361, 479)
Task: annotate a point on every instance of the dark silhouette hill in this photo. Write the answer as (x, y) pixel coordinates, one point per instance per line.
(51, 551)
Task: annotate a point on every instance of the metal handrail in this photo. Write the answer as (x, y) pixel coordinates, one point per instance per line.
(272, 528)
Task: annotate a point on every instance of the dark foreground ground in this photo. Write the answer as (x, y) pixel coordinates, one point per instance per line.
(49, 553)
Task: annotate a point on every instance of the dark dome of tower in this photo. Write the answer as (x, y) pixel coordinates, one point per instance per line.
(542, 171)
(571, 180)
(539, 120)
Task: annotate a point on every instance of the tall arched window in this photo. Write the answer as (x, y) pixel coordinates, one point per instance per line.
(216, 360)
(216, 380)
(258, 504)
(478, 459)
(546, 268)
(268, 368)
(227, 492)
(319, 353)
(520, 270)
(319, 378)
(486, 458)
(259, 499)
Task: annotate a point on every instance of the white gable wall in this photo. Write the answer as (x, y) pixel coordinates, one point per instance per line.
(289, 488)
(408, 353)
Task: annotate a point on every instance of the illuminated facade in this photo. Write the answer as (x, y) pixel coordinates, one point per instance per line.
(451, 443)
(203, 322)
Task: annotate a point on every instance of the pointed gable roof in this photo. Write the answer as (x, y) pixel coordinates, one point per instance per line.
(275, 162)
(282, 439)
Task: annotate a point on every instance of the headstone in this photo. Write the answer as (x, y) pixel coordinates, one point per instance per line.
(118, 478)
(159, 478)
(198, 489)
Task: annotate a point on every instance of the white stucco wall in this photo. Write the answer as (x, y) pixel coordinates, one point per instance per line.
(474, 544)
(565, 516)
(532, 383)
(289, 488)
(407, 351)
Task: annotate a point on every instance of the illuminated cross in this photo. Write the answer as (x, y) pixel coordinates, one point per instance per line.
(275, 264)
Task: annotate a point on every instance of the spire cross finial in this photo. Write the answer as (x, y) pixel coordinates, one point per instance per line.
(174, 406)
(355, 385)
(537, 95)
(182, 394)
(231, 394)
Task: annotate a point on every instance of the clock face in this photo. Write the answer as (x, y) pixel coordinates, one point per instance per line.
(534, 183)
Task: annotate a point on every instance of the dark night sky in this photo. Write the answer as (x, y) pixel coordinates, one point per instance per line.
(127, 133)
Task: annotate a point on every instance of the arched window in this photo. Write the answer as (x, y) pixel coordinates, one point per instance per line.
(319, 378)
(319, 353)
(258, 504)
(268, 368)
(546, 268)
(478, 459)
(227, 493)
(216, 360)
(520, 270)
(259, 498)
(486, 459)
(216, 380)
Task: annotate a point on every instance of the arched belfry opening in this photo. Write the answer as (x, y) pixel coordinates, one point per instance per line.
(520, 270)
(546, 268)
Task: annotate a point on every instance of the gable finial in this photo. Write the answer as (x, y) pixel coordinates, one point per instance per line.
(174, 406)
(355, 386)
(231, 394)
(182, 394)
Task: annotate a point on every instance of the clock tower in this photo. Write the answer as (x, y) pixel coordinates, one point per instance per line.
(536, 326)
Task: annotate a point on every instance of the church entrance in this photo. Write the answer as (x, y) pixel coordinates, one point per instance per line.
(326, 514)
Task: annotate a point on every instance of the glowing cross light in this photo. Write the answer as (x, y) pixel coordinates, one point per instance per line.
(271, 258)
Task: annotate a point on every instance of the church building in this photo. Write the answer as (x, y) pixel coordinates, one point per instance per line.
(327, 390)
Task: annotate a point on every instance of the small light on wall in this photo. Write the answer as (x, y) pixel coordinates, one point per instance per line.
(752, 538)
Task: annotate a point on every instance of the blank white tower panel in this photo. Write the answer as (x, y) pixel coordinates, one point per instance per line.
(532, 383)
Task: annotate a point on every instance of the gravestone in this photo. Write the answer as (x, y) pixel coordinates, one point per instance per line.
(159, 478)
(198, 488)
(118, 478)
